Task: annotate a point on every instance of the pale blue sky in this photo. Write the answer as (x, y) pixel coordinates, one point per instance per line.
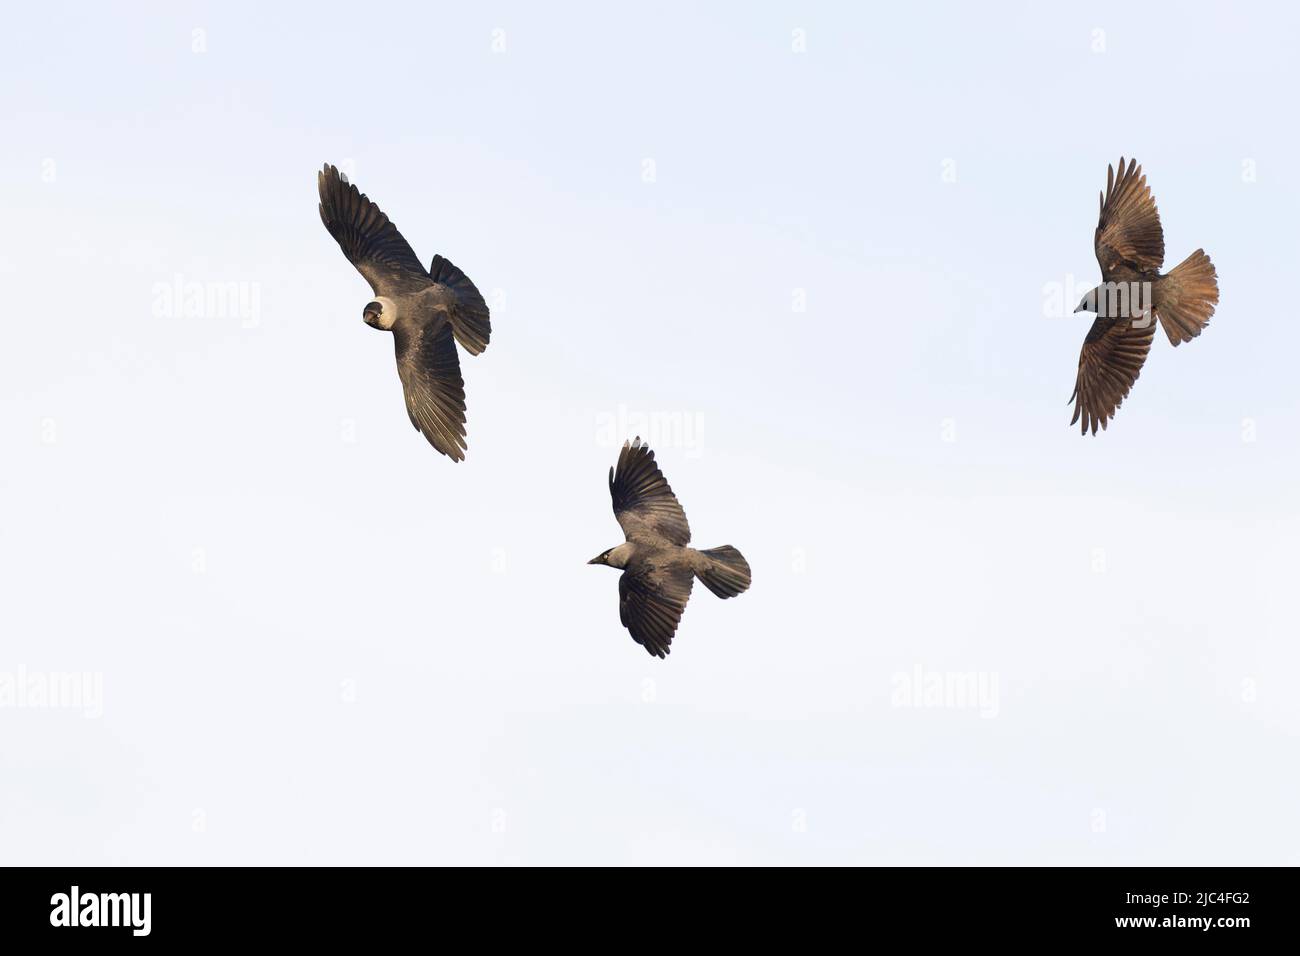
(330, 644)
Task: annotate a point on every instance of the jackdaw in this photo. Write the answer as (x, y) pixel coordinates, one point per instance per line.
(427, 312)
(1131, 248)
(658, 568)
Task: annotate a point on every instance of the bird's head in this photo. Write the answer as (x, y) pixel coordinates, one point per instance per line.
(614, 557)
(1088, 303)
(380, 314)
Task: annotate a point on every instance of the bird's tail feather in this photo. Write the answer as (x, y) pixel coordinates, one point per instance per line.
(723, 570)
(470, 320)
(1185, 298)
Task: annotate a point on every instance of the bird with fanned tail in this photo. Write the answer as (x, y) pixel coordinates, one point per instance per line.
(428, 312)
(658, 567)
(1130, 248)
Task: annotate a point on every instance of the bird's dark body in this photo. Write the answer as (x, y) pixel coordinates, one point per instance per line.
(1128, 275)
(1125, 294)
(430, 301)
(655, 559)
(420, 312)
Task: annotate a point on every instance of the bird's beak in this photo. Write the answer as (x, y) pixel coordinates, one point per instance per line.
(596, 560)
(1080, 308)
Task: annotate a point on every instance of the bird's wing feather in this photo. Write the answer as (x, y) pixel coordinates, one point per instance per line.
(469, 315)
(435, 392)
(367, 237)
(1128, 231)
(651, 602)
(643, 503)
(1109, 363)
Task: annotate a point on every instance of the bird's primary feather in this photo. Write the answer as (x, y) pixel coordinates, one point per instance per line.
(435, 392)
(644, 504)
(1128, 230)
(650, 604)
(1109, 364)
(367, 237)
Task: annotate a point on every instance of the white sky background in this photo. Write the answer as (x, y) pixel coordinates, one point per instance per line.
(321, 651)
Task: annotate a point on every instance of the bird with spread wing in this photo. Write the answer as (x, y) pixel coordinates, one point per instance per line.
(1130, 248)
(428, 312)
(658, 567)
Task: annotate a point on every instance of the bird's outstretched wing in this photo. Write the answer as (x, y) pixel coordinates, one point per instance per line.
(643, 503)
(367, 237)
(1128, 232)
(1109, 364)
(469, 316)
(650, 604)
(435, 392)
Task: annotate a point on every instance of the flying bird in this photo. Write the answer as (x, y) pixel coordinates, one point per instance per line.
(1131, 249)
(658, 568)
(428, 312)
